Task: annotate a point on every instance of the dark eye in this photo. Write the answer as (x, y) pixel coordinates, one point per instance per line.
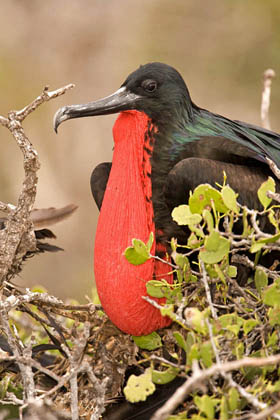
(149, 85)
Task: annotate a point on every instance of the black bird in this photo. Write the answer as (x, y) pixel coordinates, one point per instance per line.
(165, 146)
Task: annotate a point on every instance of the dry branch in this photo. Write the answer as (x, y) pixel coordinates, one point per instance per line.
(268, 75)
(18, 236)
(199, 376)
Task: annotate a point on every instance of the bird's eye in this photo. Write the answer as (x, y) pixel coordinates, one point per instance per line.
(149, 85)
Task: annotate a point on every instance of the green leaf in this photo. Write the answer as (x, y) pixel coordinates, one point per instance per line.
(216, 248)
(232, 271)
(173, 244)
(268, 185)
(193, 241)
(138, 388)
(274, 315)
(156, 288)
(141, 248)
(4, 384)
(259, 244)
(197, 230)
(150, 241)
(190, 341)
(180, 340)
(133, 257)
(168, 310)
(165, 376)
(229, 198)
(234, 329)
(256, 247)
(212, 241)
(193, 354)
(239, 350)
(261, 279)
(249, 324)
(230, 319)
(206, 353)
(148, 342)
(207, 216)
(202, 198)
(272, 219)
(206, 405)
(223, 409)
(273, 387)
(231, 322)
(183, 216)
(271, 296)
(246, 229)
(138, 253)
(233, 398)
(181, 260)
(95, 297)
(272, 339)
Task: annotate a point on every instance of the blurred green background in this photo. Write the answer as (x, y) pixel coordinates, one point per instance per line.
(221, 47)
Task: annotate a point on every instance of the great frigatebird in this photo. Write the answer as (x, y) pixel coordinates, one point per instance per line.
(165, 146)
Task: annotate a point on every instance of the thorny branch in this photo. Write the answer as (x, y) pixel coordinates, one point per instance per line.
(18, 236)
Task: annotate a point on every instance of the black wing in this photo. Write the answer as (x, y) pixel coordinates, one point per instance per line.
(190, 172)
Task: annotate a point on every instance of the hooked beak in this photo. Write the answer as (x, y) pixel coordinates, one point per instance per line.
(121, 100)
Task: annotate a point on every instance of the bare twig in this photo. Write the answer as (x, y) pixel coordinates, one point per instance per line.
(25, 368)
(100, 388)
(274, 168)
(267, 412)
(274, 196)
(268, 75)
(75, 357)
(199, 376)
(175, 316)
(155, 257)
(207, 290)
(244, 260)
(13, 301)
(44, 97)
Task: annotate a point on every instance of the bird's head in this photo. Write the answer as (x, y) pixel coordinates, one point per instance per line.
(155, 88)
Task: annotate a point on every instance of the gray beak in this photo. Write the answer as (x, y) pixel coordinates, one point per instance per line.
(121, 100)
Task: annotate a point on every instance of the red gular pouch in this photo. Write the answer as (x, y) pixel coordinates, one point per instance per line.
(127, 213)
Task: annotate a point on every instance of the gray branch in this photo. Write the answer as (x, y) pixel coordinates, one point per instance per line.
(18, 235)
